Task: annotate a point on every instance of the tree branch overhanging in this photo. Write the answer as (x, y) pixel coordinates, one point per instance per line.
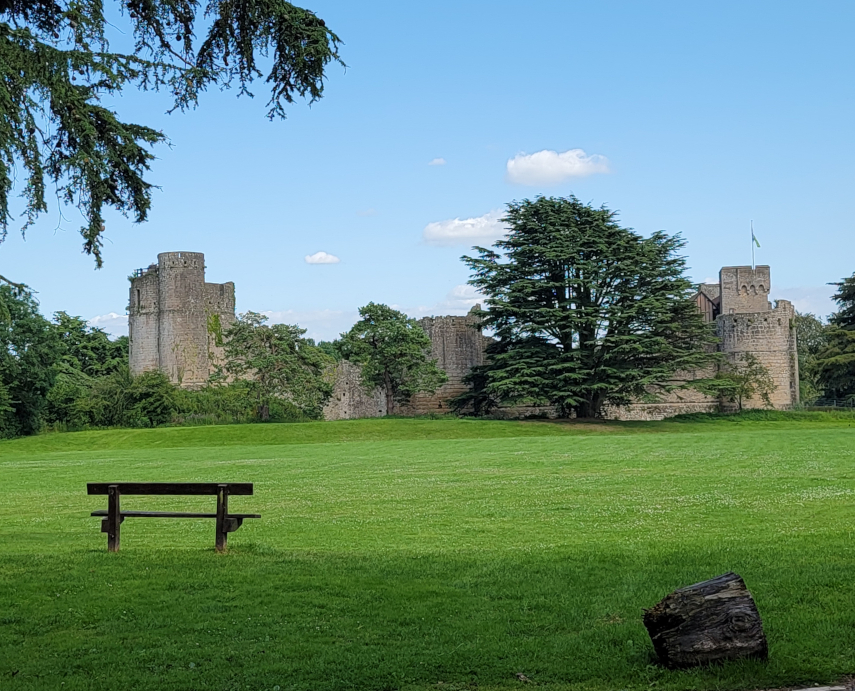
(56, 66)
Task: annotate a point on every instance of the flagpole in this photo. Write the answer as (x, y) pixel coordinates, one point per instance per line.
(752, 246)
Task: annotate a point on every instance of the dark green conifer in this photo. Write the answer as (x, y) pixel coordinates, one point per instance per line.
(57, 68)
(586, 313)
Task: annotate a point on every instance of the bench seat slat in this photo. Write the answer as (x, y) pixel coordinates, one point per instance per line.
(171, 488)
(173, 514)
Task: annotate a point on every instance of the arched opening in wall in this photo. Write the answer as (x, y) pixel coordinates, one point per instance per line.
(138, 297)
(744, 290)
(754, 290)
(762, 288)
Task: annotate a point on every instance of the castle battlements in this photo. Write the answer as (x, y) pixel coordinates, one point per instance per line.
(176, 321)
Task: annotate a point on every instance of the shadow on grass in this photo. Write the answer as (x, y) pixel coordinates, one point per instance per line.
(262, 618)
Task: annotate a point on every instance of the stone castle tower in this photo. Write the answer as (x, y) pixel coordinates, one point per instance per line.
(745, 322)
(176, 320)
(457, 345)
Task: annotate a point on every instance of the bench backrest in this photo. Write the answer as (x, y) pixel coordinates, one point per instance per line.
(184, 488)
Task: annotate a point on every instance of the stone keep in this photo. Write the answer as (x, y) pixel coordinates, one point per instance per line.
(745, 322)
(457, 345)
(176, 320)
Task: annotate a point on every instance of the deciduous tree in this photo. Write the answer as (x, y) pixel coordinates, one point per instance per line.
(812, 338)
(89, 349)
(393, 352)
(29, 351)
(739, 380)
(585, 312)
(277, 362)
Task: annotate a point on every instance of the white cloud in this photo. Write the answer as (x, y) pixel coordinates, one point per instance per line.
(549, 167)
(466, 231)
(367, 212)
(814, 299)
(437, 162)
(322, 258)
(113, 323)
(459, 300)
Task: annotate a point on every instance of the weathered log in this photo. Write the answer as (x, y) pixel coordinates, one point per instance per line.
(707, 622)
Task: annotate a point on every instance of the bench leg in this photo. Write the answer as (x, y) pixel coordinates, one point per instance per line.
(222, 512)
(114, 518)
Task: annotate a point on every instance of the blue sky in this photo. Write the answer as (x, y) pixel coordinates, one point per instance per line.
(686, 117)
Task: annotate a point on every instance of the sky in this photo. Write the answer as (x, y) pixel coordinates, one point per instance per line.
(692, 118)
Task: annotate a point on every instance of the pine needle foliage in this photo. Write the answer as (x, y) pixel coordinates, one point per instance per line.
(836, 361)
(586, 313)
(845, 299)
(56, 67)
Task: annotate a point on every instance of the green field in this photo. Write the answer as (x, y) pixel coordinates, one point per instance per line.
(442, 554)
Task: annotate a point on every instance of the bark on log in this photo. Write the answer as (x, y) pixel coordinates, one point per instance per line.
(707, 622)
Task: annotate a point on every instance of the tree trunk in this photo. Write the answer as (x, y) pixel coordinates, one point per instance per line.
(264, 412)
(590, 408)
(708, 622)
(390, 398)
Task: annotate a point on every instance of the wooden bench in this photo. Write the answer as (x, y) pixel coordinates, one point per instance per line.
(114, 516)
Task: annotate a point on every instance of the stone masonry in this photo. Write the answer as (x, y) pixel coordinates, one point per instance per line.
(350, 399)
(176, 320)
(745, 322)
(457, 345)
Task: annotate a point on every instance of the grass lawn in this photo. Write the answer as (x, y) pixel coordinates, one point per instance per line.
(441, 554)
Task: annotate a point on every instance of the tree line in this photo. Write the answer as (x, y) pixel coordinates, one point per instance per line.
(63, 374)
(584, 314)
(588, 314)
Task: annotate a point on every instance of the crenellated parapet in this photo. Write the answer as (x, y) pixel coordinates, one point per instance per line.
(177, 322)
(744, 289)
(770, 337)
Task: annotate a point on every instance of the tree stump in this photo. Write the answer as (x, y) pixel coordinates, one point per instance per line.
(708, 622)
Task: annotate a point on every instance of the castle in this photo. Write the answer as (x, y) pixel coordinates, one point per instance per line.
(176, 321)
(745, 323)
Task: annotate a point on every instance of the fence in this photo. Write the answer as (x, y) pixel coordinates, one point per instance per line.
(832, 403)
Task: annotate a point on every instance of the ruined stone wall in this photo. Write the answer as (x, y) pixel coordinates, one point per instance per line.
(350, 399)
(675, 402)
(219, 316)
(171, 314)
(771, 338)
(457, 345)
(143, 308)
(744, 289)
